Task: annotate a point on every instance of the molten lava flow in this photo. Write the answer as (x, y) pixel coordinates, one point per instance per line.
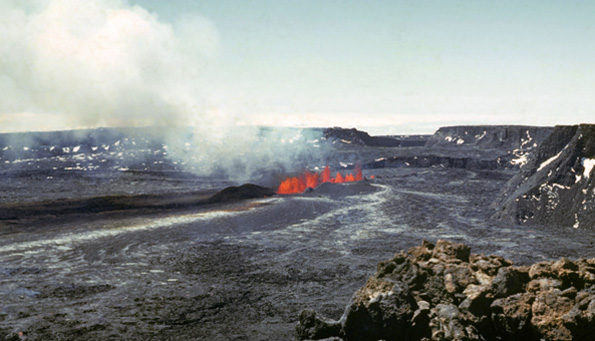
(299, 184)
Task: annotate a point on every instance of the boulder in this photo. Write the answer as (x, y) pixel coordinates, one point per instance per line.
(442, 292)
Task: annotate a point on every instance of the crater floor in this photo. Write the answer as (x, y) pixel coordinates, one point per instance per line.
(245, 270)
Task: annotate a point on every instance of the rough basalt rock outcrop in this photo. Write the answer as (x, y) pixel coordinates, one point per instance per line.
(557, 185)
(443, 292)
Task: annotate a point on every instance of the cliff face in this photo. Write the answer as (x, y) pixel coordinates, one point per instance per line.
(556, 187)
(354, 136)
(512, 144)
(501, 137)
(471, 147)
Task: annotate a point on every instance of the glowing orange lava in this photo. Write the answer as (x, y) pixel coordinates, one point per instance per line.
(299, 184)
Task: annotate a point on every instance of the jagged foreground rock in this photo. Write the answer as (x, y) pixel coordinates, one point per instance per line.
(556, 187)
(442, 292)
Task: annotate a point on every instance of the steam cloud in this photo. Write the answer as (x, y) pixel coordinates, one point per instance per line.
(73, 64)
(101, 62)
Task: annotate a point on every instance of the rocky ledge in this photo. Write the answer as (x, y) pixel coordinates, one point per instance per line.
(443, 292)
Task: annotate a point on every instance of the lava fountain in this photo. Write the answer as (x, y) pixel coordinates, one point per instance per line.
(298, 184)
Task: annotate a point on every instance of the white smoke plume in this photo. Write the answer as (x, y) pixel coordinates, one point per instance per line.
(68, 64)
(101, 62)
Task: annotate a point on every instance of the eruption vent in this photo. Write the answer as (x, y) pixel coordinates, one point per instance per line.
(299, 184)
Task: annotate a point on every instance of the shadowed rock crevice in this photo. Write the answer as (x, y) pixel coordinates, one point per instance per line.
(442, 292)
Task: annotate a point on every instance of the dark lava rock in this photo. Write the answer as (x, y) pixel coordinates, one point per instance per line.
(500, 137)
(76, 291)
(382, 313)
(507, 282)
(347, 188)
(469, 147)
(243, 192)
(354, 136)
(441, 292)
(556, 187)
(315, 327)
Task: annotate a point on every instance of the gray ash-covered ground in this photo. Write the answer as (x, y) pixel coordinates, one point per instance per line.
(241, 270)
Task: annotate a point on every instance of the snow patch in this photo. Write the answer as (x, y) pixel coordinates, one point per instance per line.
(460, 141)
(521, 160)
(550, 160)
(527, 140)
(555, 185)
(588, 164)
(448, 138)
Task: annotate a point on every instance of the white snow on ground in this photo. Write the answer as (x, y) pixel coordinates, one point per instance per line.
(460, 141)
(588, 164)
(550, 160)
(526, 141)
(521, 160)
(479, 137)
(555, 185)
(448, 138)
(76, 149)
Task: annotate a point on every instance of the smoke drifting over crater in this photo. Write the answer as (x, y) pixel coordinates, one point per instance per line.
(68, 64)
(102, 62)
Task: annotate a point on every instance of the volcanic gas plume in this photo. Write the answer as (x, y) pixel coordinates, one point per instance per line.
(299, 184)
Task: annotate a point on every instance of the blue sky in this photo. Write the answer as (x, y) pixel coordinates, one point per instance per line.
(390, 66)
(412, 64)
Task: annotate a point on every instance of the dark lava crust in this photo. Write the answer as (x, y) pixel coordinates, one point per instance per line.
(241, 270)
